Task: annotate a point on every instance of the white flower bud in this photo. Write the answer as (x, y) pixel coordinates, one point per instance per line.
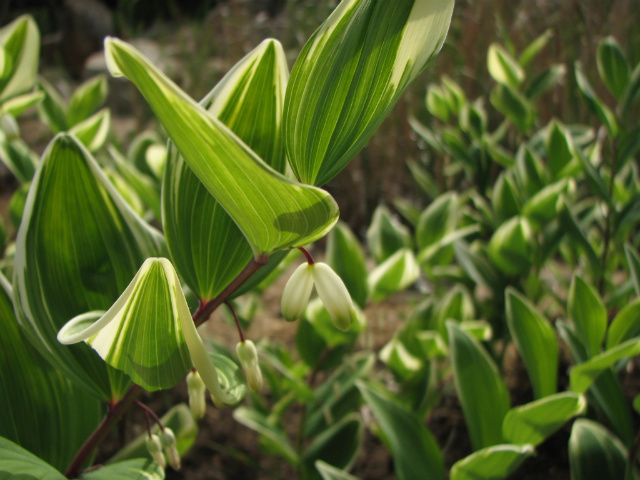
(297, 292)
(168, 442)
(334, 296)
(197, 394)
(154, 447)
(248, 356)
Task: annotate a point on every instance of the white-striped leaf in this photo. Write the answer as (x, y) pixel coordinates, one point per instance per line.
(207, 247)
(141, 333)
(18, 463)
(19, 55)
(350, 74)
(93, 131)
(273, 212)
(396, 273)
(78, 247)
(491, 463)
(31, 391)
(136, 469)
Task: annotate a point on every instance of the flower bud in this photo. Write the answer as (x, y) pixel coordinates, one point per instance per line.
(154, 447)
(197, 394)
(248, 356)
(297, 292)
(168, 442)
(334, 296)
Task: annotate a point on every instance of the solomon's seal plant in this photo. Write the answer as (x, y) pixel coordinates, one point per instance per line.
(103, 296)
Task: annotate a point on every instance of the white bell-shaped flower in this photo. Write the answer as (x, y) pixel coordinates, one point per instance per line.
(297, 292)
(168, 442)
(334, 296)
(197, 394)
(154, 447)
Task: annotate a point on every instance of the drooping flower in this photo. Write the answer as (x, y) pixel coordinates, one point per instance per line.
(197, 398)
(331, 289)
(154, 447)
(248, 355)
(168, 442)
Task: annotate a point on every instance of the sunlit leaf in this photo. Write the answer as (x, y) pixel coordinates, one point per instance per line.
(86, 99)
(17, 105)
(512, 246)
(503, 67)
(536, 342)
(415, 452)
(492, 463)
(93, 131)
(273, 212)
(534, 422)
(137, 469)
(20, 44)
(534, 48)
(351, 73)
(329, 472)
(625, 325)
(396, 273)
(481, 389)
(70, 264)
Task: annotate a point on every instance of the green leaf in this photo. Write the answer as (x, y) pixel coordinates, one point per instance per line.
(338, 445)
(536, 342)
(503, 67)
(17, 105)
(276, 438)
(625, 325)
(395, 274)
(399, 360)
(562, 159)
(346, 258)
(534, 422)
(634, 265)
(142, 333)
(514, 106)
(632, 92)
(17, 463)
(612, 66)
(20, 44)
(544, 206)
(351, 73)
(587, 312)
(137, 469)
(597, 107)
(594, 453)
(478, 268)
(329, 472)
(549, 78)
(18, 157)
(481, 390)
(439, 219)
(437, 103)
(492, 463)
(415, 452)
(70, 264)
(512, 247)
(86, 99)
(584, 374)
(52, 109)
(208, 248)
(31, 391)
(386, 235)
(93, 131)
(534, 48)
(179, 419)
(273, 212)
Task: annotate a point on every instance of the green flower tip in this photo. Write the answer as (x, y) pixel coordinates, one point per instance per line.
(248, 355)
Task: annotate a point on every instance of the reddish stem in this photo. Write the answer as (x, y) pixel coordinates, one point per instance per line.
(235, 317)
(306, 253)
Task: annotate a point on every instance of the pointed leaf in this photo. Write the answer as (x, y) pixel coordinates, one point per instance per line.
(386, 235)
(52, 109)
(208, 248)
(18, 463)
(594, 453)
(534, 422)
(632, 92)
(69, 264)
(512, 246)
(602, 112)
(536, 342)
(395, 274)
(415, 452)
(141, 334)
(31, 390)
(634, 265)
(351, 73)
(17, 105)
(625, 325)
(329, 472)
(481, 390)
(613, 66)
(20, 43)
(437, 220)
(346, 258)
(93, 131)
(503, 67)
(86, 99)
(273, 212)
(587, 312)
(534, 48)
(511, 103)
(583, 375)
(492, 463)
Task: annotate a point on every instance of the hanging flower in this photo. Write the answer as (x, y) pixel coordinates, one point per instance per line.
(248, 356)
